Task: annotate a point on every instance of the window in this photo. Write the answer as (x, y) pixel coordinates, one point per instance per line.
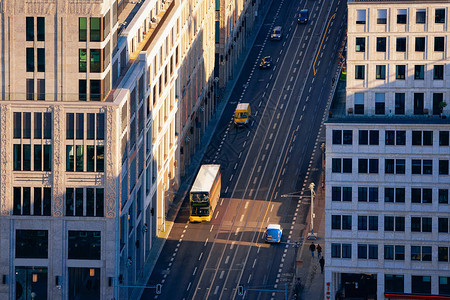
(416, 138)
(443, 138)
(419, 71)
(30, 59)
(346, 250)
(381, 44)
(26, 125)
(336, 193)
(400, 138)
(30, 29)
(401, 16)
(82, 89)
(373, 166)
(400, 72)
(439, 15)
(82, 29)
(437, 98)
(373, 194)
(346, 222)
(400, 166)
(421, 253)
(439, 43)
(40, 89)
(438, 72)
(41, 60)
(374, 137)
(443, 167)
(389, 137)
(380, 72)
(359, 71)
(82, 58)
(419, 224)
(427, 166)
(421, 284)
(347, 137)
(443, 225)
(336, 165)
(95, 90)
(401, 44)
(394, 223)
(416, 166)
(443, 196)
(336, 250)
(362, 251)
(389, 166)
(420, 44)
(399, 252)
(363, 137)
(360, 44)
(347, 165)
(362, 222)
(95, 33)
(84, 245)
(359, 104)
(421, 16)
(347, 194)
(388, 252)
(336, 222)
(363, 165)
(90, 126)
(373, 251)
(379, 103)
(394, 283)
(337, 137)
(79, 126)
(399, 103)
(95, 64)
(31, 243)
(362, 194)
(40, 29)
(443, 253)
(381, 16)
(418, 103)
(360, 16)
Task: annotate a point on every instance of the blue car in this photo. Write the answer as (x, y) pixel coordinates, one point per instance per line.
(303, 16)
(273, 233)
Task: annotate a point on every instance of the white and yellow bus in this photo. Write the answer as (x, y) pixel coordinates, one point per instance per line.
(205, 193)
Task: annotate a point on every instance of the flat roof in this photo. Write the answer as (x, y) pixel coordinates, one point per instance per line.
(205, 178)
(242, 106)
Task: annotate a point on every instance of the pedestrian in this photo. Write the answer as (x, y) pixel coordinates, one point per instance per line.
(322, 264)
(319, 251)
(312, 248)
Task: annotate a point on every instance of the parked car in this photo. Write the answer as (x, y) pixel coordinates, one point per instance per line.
(266, 62)
(273, 233)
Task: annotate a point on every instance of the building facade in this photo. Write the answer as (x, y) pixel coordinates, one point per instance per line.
(387, 168)
(99, 99)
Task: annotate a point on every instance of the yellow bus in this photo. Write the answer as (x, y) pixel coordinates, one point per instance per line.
(205, 193)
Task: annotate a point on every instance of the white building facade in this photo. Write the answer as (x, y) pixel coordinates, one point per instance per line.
(387, 167)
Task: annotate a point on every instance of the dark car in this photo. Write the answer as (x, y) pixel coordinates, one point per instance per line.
(266, 62)
(303, 16)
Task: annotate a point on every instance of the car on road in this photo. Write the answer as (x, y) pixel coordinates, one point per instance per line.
(273, 233)
(266, 62)
(276, 33)
(303, 16)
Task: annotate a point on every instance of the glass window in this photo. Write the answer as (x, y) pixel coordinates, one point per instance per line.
(421, 16)
(379, 103)
(443, 225)
(82, 89)
(419, 72)
(374, 137)
(95, 33)
(347, 137)
(30, 60)
(69, 158)
(439, 43)
(100, 126)
(337, 137)
(17, 149)
(363, 137)
(26, 166)
(389, 137)
(439, 15)
(37, 157)
(336, 250)
(400, 166)
(362, 222)
(82, 29)
(443, 196)
(381, 16)
(360, 16)
(359, 71)
(95, 66)
(47, 125)
(41, 60)
(388, 252)
(437, 99)
(41, 28)
(418, 103)
(346, 165)
(388, 223)
(380, 72)
(90, 158)
(373, 194)
(30, 29)
(26, 125)
(400, 138)
(17, 125)
(362, 251)
(346, 250)
(401, 44)
(420, 44)
(336, 222)
(442, 253)
(84, 245)
(336, 165)
(359, 104)
(399, 252)
(381, 44)
(31, 243)
(400, 72)
(362, 194)
(40, 84)
(389, 166)
(363, 165)
(438, 72)
(401, 16)
(346, 222)
(82, 60)
(360, 44)
(427, 166)
(80, 126)
(48, 157)
(443, 167)
(99, 202)
(79, 158)
(90, 130)
(428, 138)
(100, 159)
(373, 251)
(421, 284)
(336, 193)
(399, 103)
(443, 138)
(95, 90)
(70, 126)
(416, 138)
(394, 283)
(426, 224)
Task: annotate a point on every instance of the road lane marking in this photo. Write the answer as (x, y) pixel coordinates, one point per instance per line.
(200, 257)
(249, 277)
(273, 206)
(231, 178)
(242, 217)
(216, 290)
(212, 226)
(222, 199)
(232, 245)
(206, 242)
(259, 169)
(237, 231)
(195, 271)
(318, 51)
(246, 205)
(226, 259)
(189, 285)
(217, 214)
(221, 274)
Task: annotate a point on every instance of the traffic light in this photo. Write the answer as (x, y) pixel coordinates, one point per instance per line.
(241, 290)
(158, 289)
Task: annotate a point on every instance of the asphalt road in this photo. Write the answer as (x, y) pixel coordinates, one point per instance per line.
(259, 164)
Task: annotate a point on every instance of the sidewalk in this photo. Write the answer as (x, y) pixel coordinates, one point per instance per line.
(191, 170)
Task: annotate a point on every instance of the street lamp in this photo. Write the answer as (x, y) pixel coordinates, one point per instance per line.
(312, 235)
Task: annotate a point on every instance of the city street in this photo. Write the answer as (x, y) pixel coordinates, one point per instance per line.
(260, 163)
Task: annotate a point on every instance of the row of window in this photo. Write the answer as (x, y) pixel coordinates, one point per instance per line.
(399, 98)
(81, 244)
(41, 128)
(391, 166)
(391, 137)
(36, 201)
(95, 126)
(391, 252)
(419, 284)
(402, 16)
(26, 158)
(88, 202)
(400, 72)
(76, 156)
(391, 195)
(391, 223)
(401, 44)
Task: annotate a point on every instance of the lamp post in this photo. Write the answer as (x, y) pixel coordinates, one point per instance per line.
(312, 235)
